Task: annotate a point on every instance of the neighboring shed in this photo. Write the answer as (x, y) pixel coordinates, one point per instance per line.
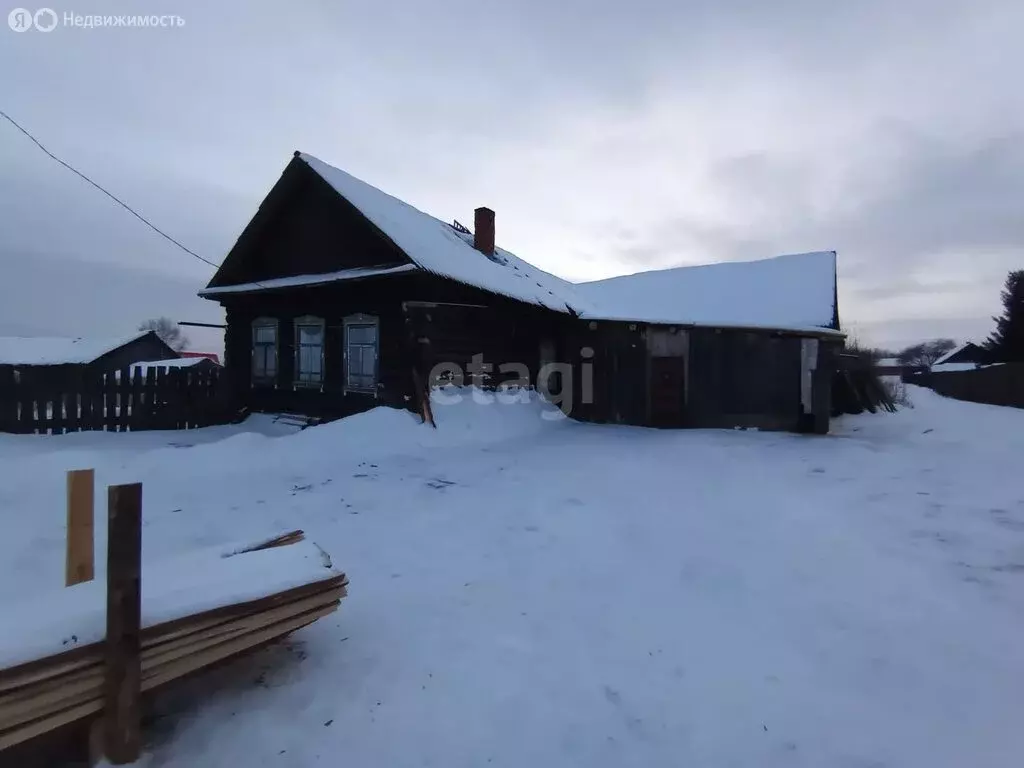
(966, 357)
(94, 354)
(340, 297)
(889, 366)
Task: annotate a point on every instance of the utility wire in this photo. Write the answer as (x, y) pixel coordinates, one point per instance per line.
(117, 200)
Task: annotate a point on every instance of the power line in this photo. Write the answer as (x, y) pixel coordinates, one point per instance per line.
(117, 200)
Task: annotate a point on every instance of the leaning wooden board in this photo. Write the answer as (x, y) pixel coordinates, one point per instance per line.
(42, 694)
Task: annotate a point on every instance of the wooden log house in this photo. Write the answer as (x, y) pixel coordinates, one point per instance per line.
(340, 298)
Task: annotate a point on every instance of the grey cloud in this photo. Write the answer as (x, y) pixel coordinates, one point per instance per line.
(931, 202)
(194, 125)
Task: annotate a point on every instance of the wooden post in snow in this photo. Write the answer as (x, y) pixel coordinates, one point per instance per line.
(123, 674)
(79, 558)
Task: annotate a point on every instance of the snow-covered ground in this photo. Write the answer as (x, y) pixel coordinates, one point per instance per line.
(528, 591)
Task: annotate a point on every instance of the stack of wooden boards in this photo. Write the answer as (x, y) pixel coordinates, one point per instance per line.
(245, 597)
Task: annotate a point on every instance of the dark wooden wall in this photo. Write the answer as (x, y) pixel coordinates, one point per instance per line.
(726, 378)
(618, 372)
(744, 378)
(424, 320)
(142, 350)
(305, 227)
(610, 371)
(333, 303)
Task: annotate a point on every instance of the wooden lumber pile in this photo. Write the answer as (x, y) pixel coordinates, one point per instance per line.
(42, 694)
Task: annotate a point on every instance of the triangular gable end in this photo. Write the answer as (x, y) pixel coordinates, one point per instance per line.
(297, 230)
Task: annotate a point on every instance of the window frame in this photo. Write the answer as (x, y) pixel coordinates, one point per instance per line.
(308, 321)
(361, 320)
(264, 379)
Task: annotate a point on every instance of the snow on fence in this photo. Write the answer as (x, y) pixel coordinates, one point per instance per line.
(1001, 384)
(58, 399)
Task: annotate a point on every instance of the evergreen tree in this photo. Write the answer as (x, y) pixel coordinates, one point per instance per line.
(1007, 341)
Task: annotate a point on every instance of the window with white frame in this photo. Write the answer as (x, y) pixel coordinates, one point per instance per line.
(361, 353)
(264, 350)
(309, 351)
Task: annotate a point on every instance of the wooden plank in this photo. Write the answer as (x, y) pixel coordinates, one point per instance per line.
(254, 606)
(45, 409)
(157, 412)
(8, 399)
(95, 386)
(156, 645)
(282, 540)
(84, 415)
(189, 397)
(136, 416)
(36, 671)
(78, 561)
(21, 674)
(247, 624)
(149, 395)
(190, 663)
(72, 401)
(165, 674)
(124, 391)
(106, 402)
(171, 398)
(26, 406)
(11, 701)
(33, 702)
(47, 724)
(70, 693)
(123, 668)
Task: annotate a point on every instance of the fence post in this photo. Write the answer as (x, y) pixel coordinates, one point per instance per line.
(123, 673)
(79, 557)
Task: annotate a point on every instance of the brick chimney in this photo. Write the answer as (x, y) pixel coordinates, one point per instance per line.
(483, 231)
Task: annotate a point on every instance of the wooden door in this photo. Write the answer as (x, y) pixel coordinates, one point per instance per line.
(668, 391)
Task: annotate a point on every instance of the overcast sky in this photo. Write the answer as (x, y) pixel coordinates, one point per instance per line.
(609, 137)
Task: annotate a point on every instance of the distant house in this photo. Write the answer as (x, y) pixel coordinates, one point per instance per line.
(966, 357)
(91, 354)
(889, 366)
(339, 297)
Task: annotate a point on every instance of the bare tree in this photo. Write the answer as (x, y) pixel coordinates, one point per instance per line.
(926, 353)
(168, 330)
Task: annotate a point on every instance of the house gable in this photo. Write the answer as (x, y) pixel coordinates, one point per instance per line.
(304, 227)
(968, 352)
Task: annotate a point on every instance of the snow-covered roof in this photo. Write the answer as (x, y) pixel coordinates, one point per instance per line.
(794, 292)
(951, 353)
(889, 362)
(941, 367)
(48, 350)
(788, 292)
(439, 248)
(300, 280)
(177, 362)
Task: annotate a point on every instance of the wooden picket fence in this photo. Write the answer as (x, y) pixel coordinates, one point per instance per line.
(58, 399)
